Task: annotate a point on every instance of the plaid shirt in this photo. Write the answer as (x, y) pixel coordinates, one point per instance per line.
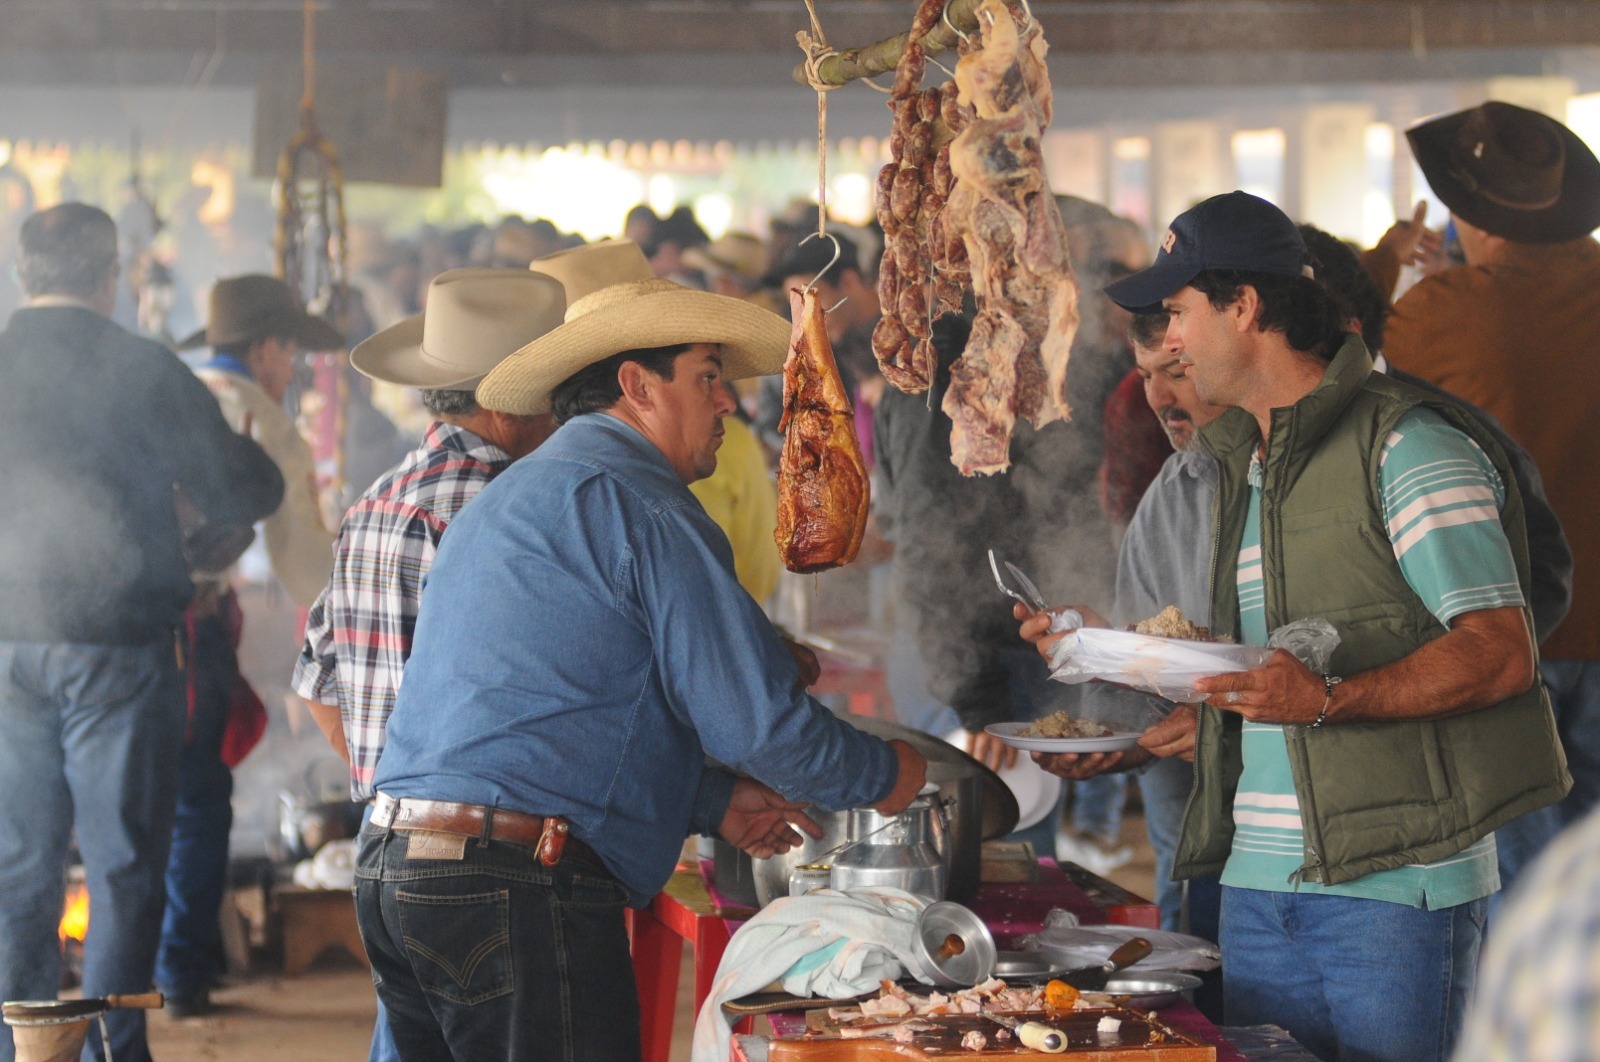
(358, 634)
(1538, 992)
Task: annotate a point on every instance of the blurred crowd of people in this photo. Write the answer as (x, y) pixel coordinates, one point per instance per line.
(1500, 315)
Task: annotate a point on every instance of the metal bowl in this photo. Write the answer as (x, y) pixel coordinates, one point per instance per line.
(1151, 991)
(1024, 966)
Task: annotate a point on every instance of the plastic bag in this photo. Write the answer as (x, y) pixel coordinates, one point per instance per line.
(1311, 641)
(1068, 944)
(1166, 667)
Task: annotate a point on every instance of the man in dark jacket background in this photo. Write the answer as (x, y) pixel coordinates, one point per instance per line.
(101, 432)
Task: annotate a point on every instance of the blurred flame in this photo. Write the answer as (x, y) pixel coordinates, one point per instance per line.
(75, 919)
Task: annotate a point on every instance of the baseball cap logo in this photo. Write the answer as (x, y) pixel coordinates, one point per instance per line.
(1169, 241)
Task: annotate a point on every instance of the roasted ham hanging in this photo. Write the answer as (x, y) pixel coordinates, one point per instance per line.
(822, 478)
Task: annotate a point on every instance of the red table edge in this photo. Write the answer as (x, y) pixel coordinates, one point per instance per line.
(686, 910)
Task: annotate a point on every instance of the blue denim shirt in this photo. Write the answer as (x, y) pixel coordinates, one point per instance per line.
(583, 646)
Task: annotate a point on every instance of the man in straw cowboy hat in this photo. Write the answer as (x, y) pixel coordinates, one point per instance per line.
(256, 329)
(358, 633)
(583, 647)
(1514, 331)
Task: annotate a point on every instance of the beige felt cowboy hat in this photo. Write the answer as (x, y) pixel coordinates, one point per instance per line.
(585, 270)
(637, 315)
(1512, 172)
(738, 253)
(245, 309)
(474, 319)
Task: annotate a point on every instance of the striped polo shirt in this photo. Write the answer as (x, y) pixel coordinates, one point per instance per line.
(1441, 504)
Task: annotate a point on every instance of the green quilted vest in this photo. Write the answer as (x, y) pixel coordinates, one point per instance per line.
(1372, 796)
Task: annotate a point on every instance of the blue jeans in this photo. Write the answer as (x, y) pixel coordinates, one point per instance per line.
(89, 736)
(1574, 687)
(1351, 979)
(197, 869)
(1575, 696)
(1165, 786)
(494, 956)
(382, 1049)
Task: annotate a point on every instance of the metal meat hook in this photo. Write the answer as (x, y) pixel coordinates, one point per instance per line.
(837, 251)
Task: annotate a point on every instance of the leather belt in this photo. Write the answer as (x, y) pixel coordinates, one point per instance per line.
(549, 834)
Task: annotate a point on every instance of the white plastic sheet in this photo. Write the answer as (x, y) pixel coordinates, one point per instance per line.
(1074, 946)
(1166, 667)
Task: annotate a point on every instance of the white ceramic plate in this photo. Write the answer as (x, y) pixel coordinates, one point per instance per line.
(1036, 789)
(1113, 742)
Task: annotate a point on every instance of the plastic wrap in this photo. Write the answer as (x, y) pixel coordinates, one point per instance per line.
(1166, 667)
(1169, 667)
(1066, 943)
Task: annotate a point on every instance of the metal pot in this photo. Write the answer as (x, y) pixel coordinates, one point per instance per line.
(979, 805)
(898, 851)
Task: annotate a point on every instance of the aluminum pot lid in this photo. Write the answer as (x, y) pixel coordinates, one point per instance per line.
(953, 946)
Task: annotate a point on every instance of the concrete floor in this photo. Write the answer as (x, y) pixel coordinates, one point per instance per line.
(326, 1014)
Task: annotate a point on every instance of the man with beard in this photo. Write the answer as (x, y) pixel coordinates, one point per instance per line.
(1163, 561)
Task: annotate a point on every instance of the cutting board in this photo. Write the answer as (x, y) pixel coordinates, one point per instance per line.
(1141, 1038)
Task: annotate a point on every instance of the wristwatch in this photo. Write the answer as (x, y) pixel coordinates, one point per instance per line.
(1328, 683)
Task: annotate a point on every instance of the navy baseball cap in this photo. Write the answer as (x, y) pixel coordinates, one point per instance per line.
(1235, 230)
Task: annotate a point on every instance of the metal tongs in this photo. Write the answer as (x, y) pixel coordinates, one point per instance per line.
(1064, 620)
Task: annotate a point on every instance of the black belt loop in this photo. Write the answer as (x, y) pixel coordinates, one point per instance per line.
(488, 827)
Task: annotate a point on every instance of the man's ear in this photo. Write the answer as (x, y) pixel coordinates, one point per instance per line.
(1245, 309)
(637, 384)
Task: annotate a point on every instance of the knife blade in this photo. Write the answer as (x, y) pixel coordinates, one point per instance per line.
(1093, 978)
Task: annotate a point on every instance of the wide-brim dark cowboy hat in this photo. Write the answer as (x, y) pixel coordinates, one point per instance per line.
(1511, 172)
(245, 309)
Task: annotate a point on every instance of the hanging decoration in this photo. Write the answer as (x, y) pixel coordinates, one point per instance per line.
(311, 247)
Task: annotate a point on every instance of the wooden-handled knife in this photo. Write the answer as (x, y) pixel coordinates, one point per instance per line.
(1093, 978)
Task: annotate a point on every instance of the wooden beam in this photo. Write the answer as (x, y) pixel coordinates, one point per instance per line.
(458, 30)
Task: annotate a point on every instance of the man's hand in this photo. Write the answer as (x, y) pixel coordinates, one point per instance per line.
(805, 660)
(762, 822)
(911, 774)
(1076, 766)
(329, 721)
(1412, 242)
(1174, 735)
(1284, 691)
(990, 751)
(1036, 625)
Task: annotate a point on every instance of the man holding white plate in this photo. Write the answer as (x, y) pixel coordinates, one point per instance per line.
(1350, 813)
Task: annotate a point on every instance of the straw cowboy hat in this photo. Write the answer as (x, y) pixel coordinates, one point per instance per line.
(1512, 172)
(636, 315)
(474, 319)
(245, 309)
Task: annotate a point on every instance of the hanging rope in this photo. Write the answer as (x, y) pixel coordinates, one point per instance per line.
(815, 45)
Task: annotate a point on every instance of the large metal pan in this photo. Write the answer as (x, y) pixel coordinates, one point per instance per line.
(61, 1011)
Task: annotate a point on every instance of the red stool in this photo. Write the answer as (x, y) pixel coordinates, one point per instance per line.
(682, 911)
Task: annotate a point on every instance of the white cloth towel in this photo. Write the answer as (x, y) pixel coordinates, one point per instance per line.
(826, 943)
